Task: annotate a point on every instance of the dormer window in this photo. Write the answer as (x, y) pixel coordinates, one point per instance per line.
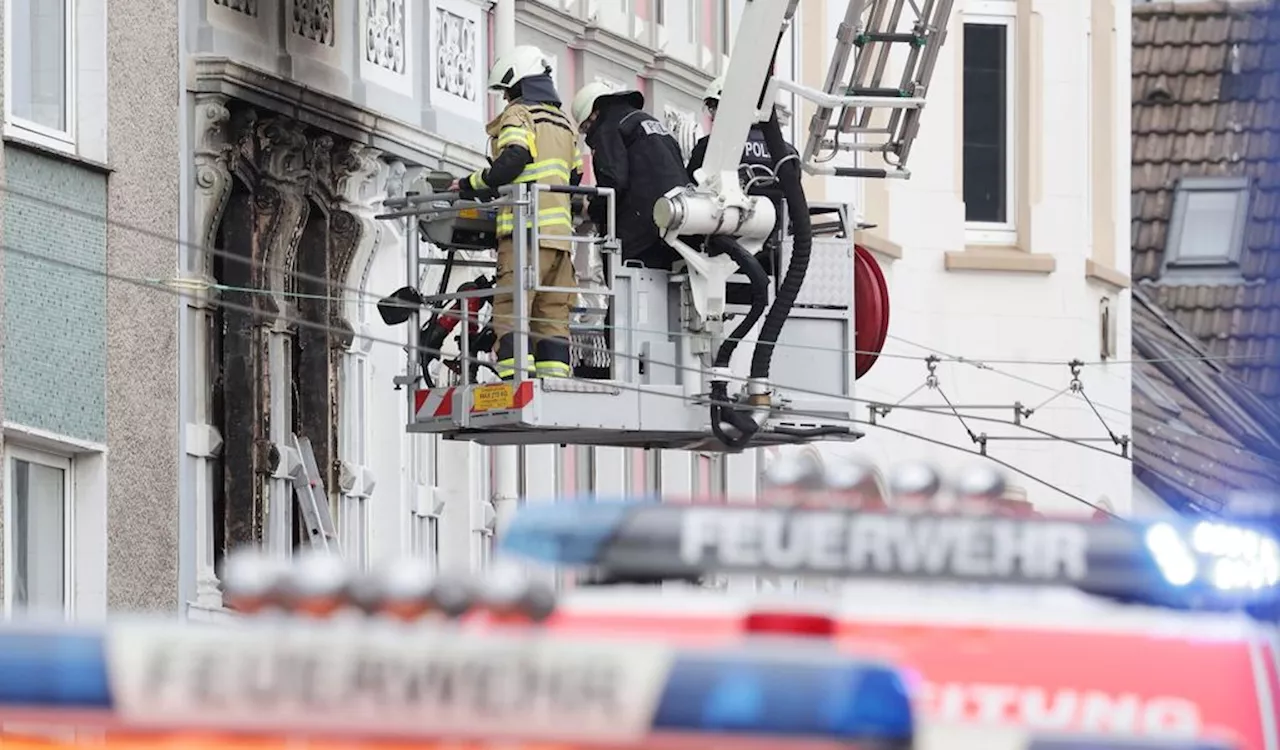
(1206, 231)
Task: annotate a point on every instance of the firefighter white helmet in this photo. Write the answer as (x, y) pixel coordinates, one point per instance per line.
(515, 66)
(584, 102)
(714, 90)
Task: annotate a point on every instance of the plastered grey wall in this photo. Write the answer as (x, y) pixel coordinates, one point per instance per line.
(142, 360)
(3, 472)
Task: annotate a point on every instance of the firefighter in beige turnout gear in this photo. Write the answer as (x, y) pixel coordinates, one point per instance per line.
(532, 141)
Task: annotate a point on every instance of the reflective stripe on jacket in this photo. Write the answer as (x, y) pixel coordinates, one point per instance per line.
(546, 132)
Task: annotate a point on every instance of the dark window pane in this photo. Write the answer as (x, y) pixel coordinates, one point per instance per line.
(986, 102)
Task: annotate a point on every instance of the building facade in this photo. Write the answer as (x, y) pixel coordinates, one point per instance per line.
(302, 120)
(1008, 249)
(217, 178)
(89, 367)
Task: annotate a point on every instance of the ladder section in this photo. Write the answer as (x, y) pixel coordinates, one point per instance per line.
(313, 499)
(864, 108)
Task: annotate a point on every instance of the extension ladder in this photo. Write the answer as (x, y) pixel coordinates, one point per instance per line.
(313, 499)
(856, 110)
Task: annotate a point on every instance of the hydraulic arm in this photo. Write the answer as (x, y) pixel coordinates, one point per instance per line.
(718, 205)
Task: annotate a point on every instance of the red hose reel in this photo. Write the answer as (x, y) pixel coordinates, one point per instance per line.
(871, 310)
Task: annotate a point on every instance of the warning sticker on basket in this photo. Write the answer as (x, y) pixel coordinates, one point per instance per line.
(348, 681)
(469, 213)
(492, 397)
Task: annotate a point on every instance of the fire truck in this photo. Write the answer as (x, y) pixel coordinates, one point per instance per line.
(947, 630)
(1164, 630)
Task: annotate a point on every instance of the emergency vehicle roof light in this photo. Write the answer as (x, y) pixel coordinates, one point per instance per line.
(1176, 563)
(649, 687)
(577, 537)
(1232, 558)
(737, 693)
(790, 623)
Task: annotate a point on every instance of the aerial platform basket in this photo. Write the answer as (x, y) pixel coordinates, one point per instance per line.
(645, 375)
(640, 372)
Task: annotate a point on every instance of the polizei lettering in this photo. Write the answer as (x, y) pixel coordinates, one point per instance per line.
(500, 686)
(834, 542)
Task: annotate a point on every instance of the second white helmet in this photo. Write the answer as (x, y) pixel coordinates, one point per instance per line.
(584, 102)
(515, 66)
(714, 90)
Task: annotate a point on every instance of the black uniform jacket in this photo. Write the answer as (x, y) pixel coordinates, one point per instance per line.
(634, 153)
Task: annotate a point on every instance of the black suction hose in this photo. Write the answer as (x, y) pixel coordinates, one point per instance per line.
(788, 172)
(722, 409)
(759, 293)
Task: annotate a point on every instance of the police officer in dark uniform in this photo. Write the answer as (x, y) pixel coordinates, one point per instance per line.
(634, 153)
(756, 170)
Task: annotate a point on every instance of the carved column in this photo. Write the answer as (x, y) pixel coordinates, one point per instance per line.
(281, 209)
(360, 179)
(202, 439)
(317, 287)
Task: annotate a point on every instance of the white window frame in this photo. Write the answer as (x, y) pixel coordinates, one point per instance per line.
(355, 522)
(31, 131)
(999, 13)
(66, 464)
(682, 38)
(1089, 136)
(727, 23)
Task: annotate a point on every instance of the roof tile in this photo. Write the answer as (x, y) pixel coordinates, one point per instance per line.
(1206, 102)
(1190, 456)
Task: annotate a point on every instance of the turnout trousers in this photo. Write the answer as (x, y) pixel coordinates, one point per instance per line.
(545, 317)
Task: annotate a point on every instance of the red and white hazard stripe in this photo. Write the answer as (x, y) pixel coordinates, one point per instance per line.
(522, 396)
(433, 403)
(437, 403)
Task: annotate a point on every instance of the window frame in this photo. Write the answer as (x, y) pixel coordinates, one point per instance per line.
(1241, 186)
(34, 132)
(728, 29)
(997, 13)
(65, 463)
(686, 9)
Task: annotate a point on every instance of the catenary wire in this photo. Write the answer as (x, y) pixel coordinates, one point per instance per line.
(330, 283)
(249, 310)
(360, 294)
(195, 284)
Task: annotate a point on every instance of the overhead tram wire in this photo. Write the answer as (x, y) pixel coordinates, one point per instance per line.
(201, 285)
(196, 285)
(292, 320)
(359, 294)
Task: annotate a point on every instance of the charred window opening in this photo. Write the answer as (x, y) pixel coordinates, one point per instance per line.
(237, 366)
(291, 205)
(314, 381)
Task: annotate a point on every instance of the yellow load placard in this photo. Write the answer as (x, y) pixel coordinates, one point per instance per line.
(492, 397)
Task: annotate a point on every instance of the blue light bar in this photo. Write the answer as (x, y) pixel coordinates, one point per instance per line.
(53, 670)
(797, 692)
(1173, 563)
(740, 693)
(568, 532)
